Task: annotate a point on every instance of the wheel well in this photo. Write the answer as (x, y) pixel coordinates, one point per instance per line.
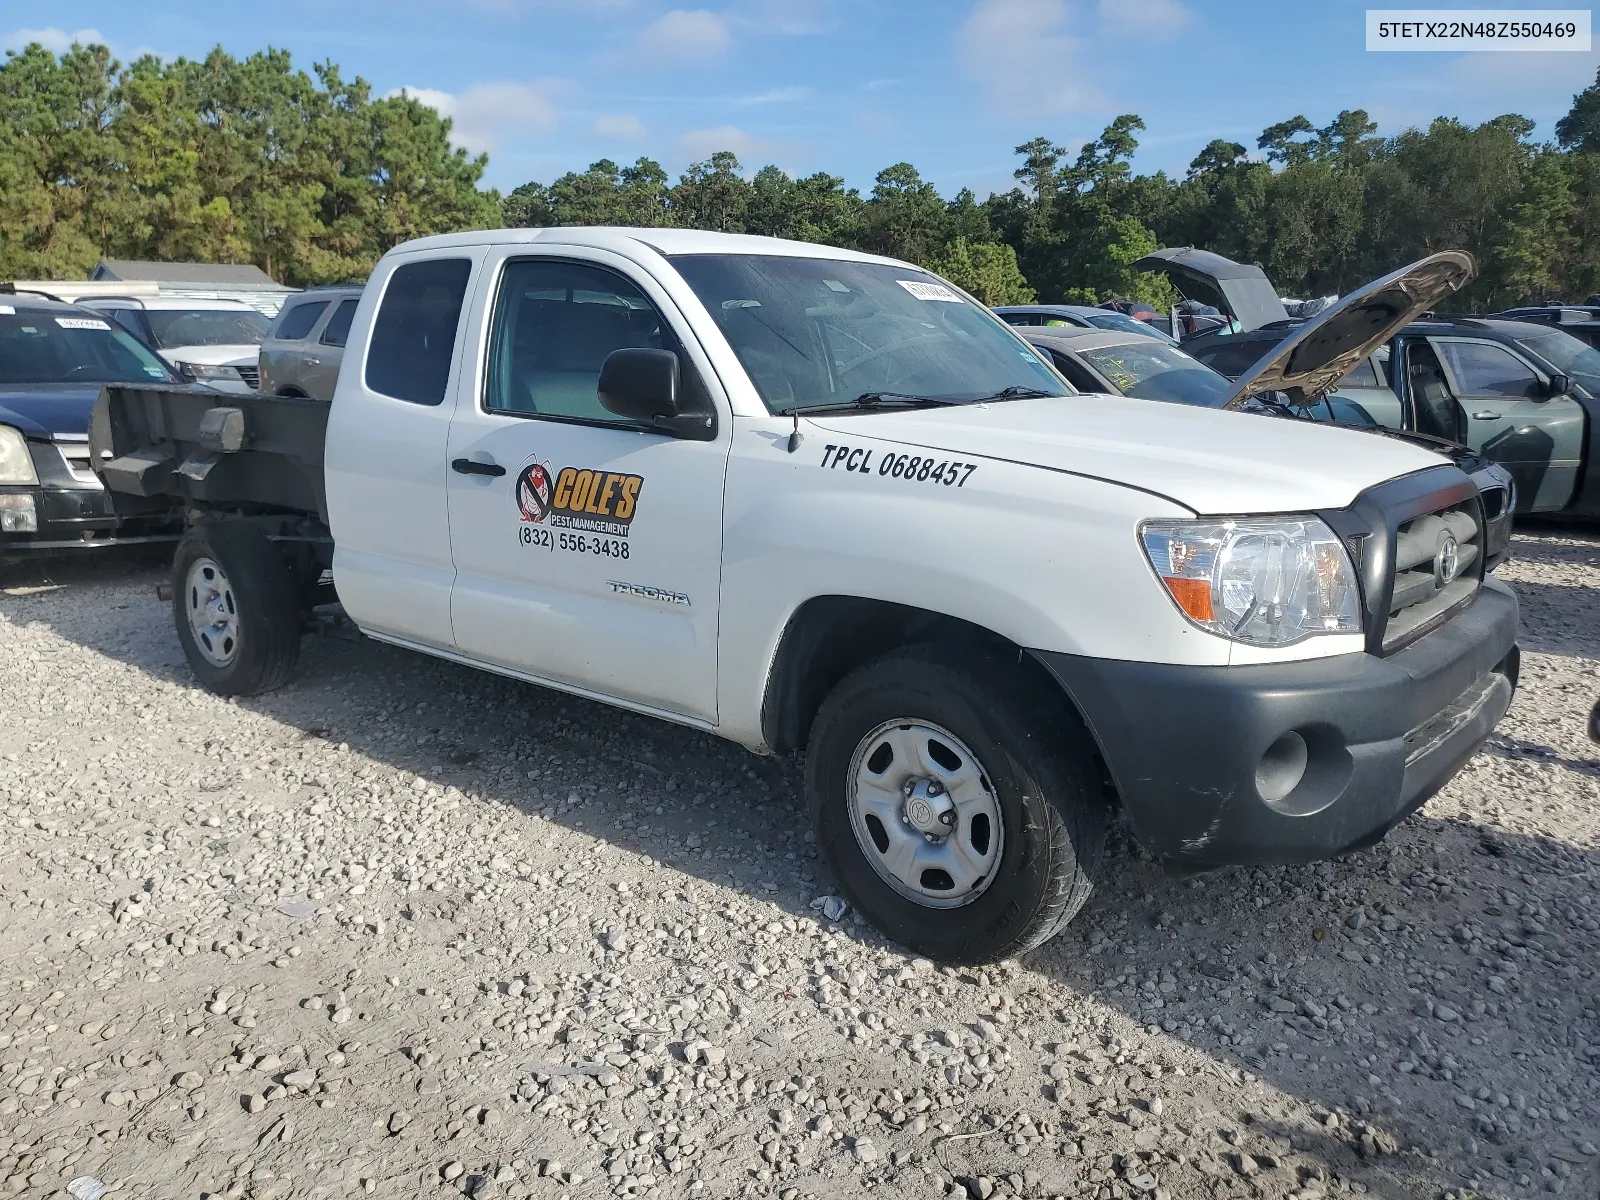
(830, 636)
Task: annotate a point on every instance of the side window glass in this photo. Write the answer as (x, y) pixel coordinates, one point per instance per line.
(337, 330)
(1482, 369)
(297, 321)
(414, 336)
(554, 324)
(1361, 375)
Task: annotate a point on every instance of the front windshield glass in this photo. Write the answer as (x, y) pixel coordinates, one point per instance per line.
(1152, 370)
(1567, 354)
(62, 346)
(206, 327)
(1123, 323)
(812, 331)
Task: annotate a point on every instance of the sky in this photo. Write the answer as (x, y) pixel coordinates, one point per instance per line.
(843, 86)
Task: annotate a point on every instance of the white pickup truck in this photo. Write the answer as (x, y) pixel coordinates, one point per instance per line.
(805, 498)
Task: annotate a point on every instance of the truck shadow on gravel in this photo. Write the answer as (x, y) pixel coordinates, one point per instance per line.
(1432, 1001)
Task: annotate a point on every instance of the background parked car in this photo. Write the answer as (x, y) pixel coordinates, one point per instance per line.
(302, 353)
(53, 359)
(1129, 365)
(1082, 316)
(1582, 321)
(214, 342)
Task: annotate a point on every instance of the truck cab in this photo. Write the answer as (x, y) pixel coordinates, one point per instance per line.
(814, 500)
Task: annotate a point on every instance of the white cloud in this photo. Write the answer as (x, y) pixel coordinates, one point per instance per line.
(486, 113)
(1154, 19)
(57, 41)
(622, 125)
(1021, 56)
(782, 95)
(791, 17)
(683, 36)
(702, 143)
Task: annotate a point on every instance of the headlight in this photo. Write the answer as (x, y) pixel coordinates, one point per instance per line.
(1268, 581)
(206, 373)
(16, 464)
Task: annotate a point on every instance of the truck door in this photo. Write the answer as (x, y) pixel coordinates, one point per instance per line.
(1514, 420)
(587, 547)
(385, 463)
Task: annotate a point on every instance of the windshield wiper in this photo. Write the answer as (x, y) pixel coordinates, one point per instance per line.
(1015, 392)
(872, 402)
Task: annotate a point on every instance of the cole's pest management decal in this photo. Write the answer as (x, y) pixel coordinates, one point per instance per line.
(575, 510)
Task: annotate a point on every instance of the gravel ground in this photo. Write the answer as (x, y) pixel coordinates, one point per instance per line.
(408, 929)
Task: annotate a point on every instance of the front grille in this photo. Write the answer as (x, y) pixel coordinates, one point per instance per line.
(76, 456)
(251, 376)
(1430, 580)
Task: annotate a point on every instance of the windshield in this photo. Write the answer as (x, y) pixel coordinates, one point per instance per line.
(1123, 323)
(44, 346)
(206, 327)
(1152, 370)
(812, 331)
(1567, 354)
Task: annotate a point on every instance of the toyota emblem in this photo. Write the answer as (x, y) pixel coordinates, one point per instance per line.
(1447, 562)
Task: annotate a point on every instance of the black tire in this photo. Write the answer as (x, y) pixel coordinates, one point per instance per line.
(1042, 771)
(265, 604)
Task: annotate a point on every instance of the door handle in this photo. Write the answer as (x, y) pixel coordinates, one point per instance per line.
(1485, 415)
(467, 466)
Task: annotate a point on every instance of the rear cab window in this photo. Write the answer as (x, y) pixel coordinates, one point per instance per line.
(414, 335)
(298, 321)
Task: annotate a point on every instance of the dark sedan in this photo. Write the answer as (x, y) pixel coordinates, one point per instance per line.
(53, 360)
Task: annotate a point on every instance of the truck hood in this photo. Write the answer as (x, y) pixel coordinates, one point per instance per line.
(1209, 460)
(47, 410)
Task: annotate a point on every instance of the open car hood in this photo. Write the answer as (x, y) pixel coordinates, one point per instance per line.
(1319, 353)
(1236, 288)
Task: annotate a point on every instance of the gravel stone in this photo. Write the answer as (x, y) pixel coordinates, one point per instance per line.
(582, 937)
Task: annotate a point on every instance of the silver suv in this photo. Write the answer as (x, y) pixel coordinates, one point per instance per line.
(301, 355)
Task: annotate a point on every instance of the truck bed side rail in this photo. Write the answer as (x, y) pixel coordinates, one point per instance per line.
(253, 453)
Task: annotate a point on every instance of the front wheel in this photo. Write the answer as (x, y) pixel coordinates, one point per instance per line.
(236, 608)
(957, 802)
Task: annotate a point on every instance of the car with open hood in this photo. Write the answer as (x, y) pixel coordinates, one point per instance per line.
(801, 497)
(1522, 394)
(54, 359)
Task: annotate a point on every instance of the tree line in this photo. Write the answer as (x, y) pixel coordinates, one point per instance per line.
(312, 178)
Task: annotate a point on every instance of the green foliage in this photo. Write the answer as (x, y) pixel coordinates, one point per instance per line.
(988, 271)
(309, 176)
(220, 160)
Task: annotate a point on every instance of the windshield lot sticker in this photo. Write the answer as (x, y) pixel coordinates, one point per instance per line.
(82, 323)
(7, 310)
(576, 510)
(914, 468)
(929, 291)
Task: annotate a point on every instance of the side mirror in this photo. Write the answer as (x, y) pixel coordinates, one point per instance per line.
(640, 383)
(1559, 385)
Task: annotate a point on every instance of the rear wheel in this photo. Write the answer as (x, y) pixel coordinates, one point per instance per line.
(957, 802)
(235, 604)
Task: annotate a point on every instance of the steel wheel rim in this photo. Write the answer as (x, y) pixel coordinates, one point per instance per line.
(925, 813)
(213, 614)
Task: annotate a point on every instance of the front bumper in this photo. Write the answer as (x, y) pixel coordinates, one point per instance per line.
(1184, 744)
(73, 511)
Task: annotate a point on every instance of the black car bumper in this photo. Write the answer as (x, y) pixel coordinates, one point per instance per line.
(1196, 752)
(81, 519)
